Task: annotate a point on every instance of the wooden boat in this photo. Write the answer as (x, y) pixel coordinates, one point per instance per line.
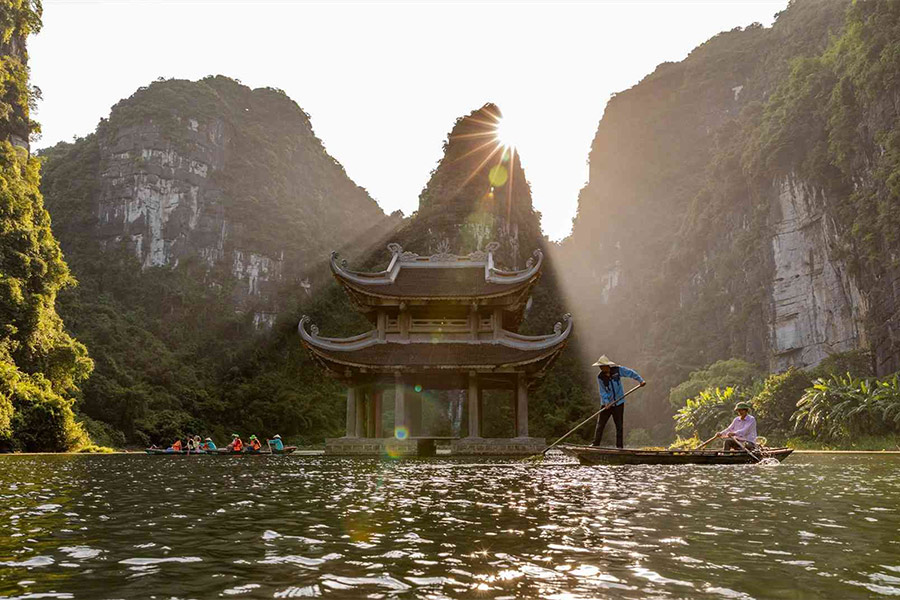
(597, 455)
(219, 452)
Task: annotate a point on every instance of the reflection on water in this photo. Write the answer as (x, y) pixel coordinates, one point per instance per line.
(297, 527)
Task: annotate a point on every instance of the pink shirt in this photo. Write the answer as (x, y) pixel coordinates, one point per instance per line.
(744, 429)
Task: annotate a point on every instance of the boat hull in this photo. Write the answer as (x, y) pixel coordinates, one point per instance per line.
(220, 452)
(591, 455)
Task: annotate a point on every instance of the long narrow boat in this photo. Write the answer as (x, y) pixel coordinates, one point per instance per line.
(595, 455)
(219, 452)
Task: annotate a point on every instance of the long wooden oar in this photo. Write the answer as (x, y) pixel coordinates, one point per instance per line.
(577, 427)
(747, 450)
(706, 443)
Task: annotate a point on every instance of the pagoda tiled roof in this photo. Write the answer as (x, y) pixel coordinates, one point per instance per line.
(440, 276)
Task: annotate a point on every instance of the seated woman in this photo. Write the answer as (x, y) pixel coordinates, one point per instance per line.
(254, 444)
(236, 444)
(175, 447)
(742, 429)
(208, 445)
(275, 443)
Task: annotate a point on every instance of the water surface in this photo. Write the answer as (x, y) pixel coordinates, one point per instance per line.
(133, 526)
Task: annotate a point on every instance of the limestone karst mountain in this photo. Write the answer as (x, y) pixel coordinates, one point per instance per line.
(477, 194)
(195, 216)
(215, 173)
(740, 202)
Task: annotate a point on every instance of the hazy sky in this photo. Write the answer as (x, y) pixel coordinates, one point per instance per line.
(384, 82)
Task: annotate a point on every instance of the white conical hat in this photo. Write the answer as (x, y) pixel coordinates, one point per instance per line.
(604, 360)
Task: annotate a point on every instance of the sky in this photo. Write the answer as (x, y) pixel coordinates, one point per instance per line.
(384, 82)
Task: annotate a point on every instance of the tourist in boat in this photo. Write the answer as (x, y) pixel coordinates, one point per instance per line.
(208, 445)
(175, 447)
(191, 444)
(254, 445)
(236, 444)
(612, 394)
(198, 445)
(275, 444)
(741, 431)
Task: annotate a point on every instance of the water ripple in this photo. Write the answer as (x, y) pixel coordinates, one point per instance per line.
(291, 527)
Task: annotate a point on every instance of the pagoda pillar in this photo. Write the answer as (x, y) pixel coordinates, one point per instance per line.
(414, 414)
(521, 411)
(377, 398)
(474, 396)
(360, 413)
(371, 414)
(399, 403)
(351, 412)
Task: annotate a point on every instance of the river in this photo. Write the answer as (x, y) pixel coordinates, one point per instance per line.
(135, 526)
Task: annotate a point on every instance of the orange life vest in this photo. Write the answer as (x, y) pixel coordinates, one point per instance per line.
(176, 445)
(237, 445)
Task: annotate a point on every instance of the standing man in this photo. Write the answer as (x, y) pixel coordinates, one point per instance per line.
(612, 394)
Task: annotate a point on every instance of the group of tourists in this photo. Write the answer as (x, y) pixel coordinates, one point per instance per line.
(194, 444)
(740, 435)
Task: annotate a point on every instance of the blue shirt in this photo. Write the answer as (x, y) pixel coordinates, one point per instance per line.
(276, 444)
(612, 391)
(208, 446)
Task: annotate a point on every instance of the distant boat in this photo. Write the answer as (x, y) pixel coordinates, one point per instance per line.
(219, 452)
(595, 455)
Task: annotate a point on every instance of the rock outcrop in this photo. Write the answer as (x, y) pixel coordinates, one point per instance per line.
(817, 308)
(216, 173)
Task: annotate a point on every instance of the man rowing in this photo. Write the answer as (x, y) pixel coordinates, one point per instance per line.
(741, 431)
(612, 397)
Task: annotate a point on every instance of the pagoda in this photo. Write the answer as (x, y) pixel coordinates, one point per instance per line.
(440, 322)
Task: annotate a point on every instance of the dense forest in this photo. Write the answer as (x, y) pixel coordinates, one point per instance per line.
(737, 240)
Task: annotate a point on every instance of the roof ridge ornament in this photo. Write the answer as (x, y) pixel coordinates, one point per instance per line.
(443, 253)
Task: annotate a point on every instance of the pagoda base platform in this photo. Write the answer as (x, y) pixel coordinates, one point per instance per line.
(470, 446)
(477, 446)
(355, 446)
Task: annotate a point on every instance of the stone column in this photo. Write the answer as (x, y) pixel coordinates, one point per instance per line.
(351, 412)
(414, 414)
(521, 405)
(371, 414)
(474, 405)
(399, 403)
(376, 401)
(360, 413)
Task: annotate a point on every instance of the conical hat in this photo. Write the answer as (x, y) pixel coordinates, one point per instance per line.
(604, 360)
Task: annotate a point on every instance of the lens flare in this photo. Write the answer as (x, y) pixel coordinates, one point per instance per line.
(498, 175)
(401, 433)
(418, 388)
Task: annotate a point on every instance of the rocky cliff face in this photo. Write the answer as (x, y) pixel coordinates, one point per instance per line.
(744, 203)
(817, 308)
(216, 173)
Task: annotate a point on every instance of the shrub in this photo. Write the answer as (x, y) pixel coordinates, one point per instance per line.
(710, 411)
(721, 374)
(777, 401)
(844, 406)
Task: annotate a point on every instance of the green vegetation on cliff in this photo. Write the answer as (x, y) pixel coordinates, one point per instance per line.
(41, 365)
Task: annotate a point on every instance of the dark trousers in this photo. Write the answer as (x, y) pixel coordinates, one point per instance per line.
(733, 445)
(618, 415)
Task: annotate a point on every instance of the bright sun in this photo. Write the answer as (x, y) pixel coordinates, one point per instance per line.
(507, 133)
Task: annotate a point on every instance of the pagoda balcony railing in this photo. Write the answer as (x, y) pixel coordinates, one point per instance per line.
(561, 331)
